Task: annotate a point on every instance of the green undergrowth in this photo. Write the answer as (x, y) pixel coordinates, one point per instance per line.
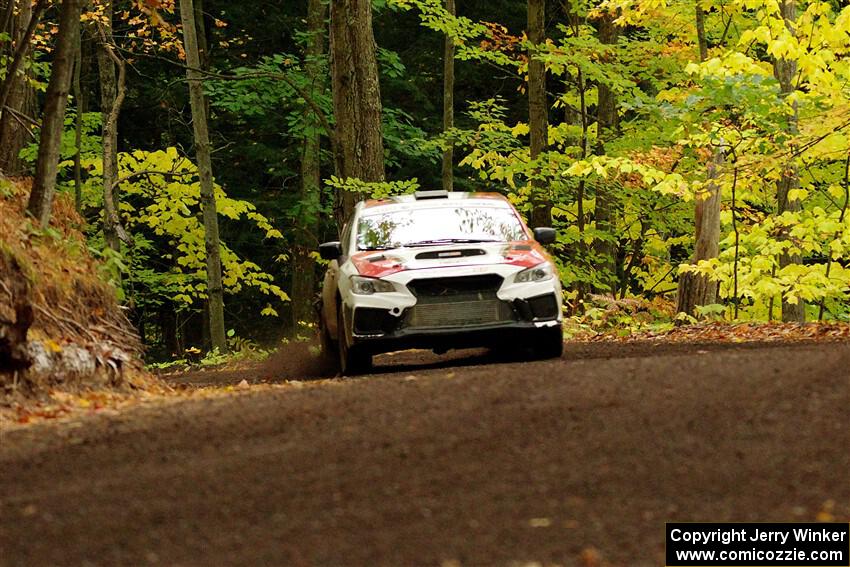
(239, 351)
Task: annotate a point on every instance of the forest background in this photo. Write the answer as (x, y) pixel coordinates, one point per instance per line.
(693, 156)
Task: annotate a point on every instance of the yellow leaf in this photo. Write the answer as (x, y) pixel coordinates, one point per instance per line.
(600, 170)
(520, 129)
(797, 194)
(836, 191)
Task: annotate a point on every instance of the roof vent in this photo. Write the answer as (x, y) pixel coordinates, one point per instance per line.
(435, 194)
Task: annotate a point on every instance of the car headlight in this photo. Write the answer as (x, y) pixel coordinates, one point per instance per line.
(538, 273)
(367, 286)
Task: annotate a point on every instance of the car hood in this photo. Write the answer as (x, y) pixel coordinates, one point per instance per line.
(377, 264)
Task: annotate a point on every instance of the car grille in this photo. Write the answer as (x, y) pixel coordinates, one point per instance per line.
(449, 290)
(457, 314)
(457, 302)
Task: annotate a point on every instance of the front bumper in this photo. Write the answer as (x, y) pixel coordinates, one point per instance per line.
(382, 329)
(495, 335)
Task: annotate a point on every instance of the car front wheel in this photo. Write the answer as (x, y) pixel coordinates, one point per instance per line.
(548, 342)
(329, 347)
(352, 359)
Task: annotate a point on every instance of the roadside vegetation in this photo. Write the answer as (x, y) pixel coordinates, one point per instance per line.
(56, 300)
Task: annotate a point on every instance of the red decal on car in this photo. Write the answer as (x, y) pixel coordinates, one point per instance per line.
(374, 265)
(524, 253)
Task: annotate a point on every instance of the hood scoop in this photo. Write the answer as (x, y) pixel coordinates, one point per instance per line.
(449, 254)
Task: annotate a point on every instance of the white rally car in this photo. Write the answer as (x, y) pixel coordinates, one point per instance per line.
(439, 270)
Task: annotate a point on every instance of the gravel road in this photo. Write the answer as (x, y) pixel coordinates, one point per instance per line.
(442, 462)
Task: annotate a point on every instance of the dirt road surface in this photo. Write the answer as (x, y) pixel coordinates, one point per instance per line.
(577, 461)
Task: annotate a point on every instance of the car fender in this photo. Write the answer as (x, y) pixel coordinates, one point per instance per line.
(330, 293)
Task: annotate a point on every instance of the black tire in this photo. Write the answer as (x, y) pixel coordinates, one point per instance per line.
(353, 359)
(548, 342)
(329, 353)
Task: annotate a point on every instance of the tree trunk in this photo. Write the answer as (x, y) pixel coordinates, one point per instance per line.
(695, 289)
(16, 94)
(606, 112)
(32, 15)
(6, 21)
(303, 266)
(13, 332)
(538, 112)
(786, 72)
(212, 246)
(44, 182)
(448, 101)
(702, 39)
(78, 124)
(607, 124)
(111, 98)
(203, 45)
(201, 31)
(356, 98)
(168, 326)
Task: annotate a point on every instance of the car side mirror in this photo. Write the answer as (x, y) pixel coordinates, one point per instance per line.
(545, 235)
(330, 250)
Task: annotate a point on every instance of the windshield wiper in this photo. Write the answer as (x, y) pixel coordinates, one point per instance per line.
(437, 241)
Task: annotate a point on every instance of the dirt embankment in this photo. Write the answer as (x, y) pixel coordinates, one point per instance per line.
(60, 323)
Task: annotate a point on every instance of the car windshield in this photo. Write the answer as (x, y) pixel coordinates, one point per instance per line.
(438, 225)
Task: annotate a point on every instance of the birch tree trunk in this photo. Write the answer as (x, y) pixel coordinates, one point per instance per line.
(303, 266)
(538, 112)
(215, 291)
(448, 101)
(47, 164)
(356, 98)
